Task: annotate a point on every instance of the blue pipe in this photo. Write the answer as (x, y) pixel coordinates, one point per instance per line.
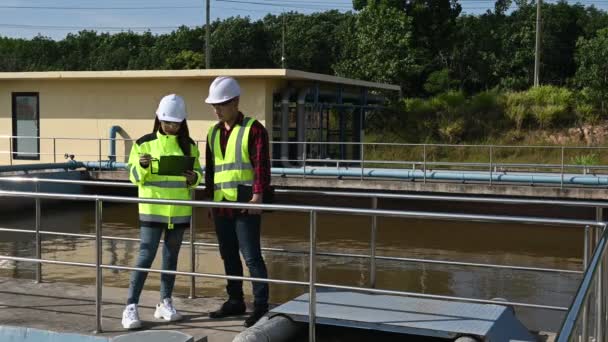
(70, 165)
(356, 172)
(113, 131)
(417, 174)
(104, 165)
(443, 175)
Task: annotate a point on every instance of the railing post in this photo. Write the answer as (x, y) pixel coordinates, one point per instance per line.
(491, 163)
(604, 298)
(562, 171)
(99, 140)
(362, 161)
(599, 289)
(54, 150)
(304, 160)
(38, 239)
(586, 259)
(98, 262)
(10, 150)
(192, 249)
(374, 237)
(312, 278)
(424, 162)
(601, 282)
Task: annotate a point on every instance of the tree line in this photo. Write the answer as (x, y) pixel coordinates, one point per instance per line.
(428, 47)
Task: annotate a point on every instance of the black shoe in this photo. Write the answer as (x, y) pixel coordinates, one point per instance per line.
(255, 316)
(229, 308)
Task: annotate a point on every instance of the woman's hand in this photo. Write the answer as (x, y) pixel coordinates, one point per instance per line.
(191, 177)
(144, 160)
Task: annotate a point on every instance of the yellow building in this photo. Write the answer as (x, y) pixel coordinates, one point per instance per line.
(46, 115)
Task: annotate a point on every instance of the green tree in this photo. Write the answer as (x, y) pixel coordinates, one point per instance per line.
(592, 72)
(186, 59)
(381, 47)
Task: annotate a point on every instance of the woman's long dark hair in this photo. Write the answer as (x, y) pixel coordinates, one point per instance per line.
(183, 135)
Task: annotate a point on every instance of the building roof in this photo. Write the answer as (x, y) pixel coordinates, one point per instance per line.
(286, 74)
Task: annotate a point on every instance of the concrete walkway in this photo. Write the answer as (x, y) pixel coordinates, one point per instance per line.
(65, 307)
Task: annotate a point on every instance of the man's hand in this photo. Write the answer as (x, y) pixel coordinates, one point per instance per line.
(256, 199)
(144, 160)
(191, 177)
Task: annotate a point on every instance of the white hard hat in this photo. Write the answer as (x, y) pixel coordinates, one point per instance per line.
(171, 108)
(223, 89)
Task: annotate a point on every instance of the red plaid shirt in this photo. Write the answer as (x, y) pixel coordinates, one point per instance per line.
(259, 154)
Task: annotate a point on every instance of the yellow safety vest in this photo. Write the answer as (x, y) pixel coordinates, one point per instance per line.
(152, 185)
(234, 168)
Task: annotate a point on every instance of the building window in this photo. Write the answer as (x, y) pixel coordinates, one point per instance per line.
(26, 126)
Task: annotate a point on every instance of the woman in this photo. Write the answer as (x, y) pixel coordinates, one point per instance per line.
(169, 137)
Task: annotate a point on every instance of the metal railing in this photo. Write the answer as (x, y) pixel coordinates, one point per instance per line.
(373, 197)
(423, 161)
(313, 211)
(587, 318)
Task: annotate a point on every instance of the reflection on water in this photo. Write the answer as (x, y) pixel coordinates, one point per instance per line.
(524, 245)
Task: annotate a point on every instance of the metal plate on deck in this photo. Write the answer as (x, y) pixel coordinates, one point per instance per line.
(415, 316)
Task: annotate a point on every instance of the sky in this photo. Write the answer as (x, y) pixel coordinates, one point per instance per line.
(56, 18)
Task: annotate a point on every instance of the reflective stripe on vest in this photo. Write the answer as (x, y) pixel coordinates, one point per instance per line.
(233, 168)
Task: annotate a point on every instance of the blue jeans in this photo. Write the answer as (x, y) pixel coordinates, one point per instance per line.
(150, 238)
(242, 232)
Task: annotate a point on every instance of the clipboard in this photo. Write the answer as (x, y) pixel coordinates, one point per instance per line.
(173, 165)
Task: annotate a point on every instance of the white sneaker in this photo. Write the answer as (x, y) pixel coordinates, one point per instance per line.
(130, 317)
(166, 311)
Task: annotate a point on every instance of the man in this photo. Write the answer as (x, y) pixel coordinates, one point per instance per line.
(237, 153)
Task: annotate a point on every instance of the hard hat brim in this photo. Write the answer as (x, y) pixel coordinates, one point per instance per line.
(218, 101)
(163, 117)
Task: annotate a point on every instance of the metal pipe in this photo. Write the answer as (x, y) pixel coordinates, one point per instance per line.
(98, 263)
(70, 165)
(193, 250)
(312, 278)
(373, 239)
(112, 153)
(54, 150)
(472, 176)
(38, 239)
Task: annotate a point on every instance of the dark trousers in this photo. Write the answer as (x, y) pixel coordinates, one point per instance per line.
(242, 232)
(150, 239)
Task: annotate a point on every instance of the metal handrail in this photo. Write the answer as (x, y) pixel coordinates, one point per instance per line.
(313, 210)
(286, 251)
(354, 194)
(582, 295)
